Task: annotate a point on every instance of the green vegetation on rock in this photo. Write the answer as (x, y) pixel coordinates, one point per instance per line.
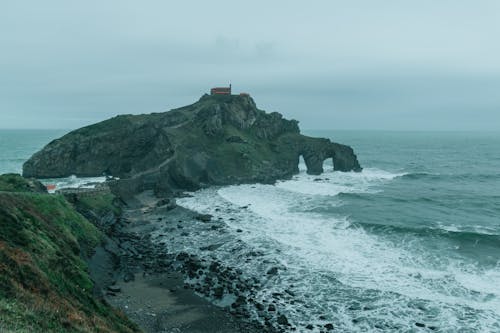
(44, 282)
(99, 203)
(216, 141)
(13, 182)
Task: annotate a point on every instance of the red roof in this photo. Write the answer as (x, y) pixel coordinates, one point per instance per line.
(221, 91)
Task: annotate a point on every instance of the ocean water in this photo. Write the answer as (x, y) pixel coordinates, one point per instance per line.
(17, 146)
(413, 239)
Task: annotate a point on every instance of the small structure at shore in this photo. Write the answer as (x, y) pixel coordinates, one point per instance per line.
(221, 90)
(50, 187)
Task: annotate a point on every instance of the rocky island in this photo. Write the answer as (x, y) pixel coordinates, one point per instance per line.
(219, 140)
(124, 247)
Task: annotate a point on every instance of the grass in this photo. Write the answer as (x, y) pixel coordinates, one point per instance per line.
(99, 203)
(44, 282)
(13, 182)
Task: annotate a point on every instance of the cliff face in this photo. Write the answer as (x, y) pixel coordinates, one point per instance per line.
(44, 281)
(217, 140)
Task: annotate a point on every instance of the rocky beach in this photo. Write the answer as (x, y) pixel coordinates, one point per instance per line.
(137, 274)
(159, 271)
(159, 262)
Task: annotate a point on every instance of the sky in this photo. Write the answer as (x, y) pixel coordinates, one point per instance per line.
(358, 64)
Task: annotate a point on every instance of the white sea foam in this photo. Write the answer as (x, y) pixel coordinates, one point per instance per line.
(481, 230)
(397, 280)
(332, 183)
(73, 182)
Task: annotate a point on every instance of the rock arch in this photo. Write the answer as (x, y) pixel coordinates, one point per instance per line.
(316, 151)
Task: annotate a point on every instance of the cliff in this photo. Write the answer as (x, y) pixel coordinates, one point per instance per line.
(44, 281)
(217, 140)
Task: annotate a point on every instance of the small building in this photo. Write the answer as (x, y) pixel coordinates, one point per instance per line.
(221, 90)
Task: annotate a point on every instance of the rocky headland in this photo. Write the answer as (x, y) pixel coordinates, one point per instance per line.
(218, 140)
(140, 261)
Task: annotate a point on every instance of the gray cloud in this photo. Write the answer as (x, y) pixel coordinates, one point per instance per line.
(330, 64)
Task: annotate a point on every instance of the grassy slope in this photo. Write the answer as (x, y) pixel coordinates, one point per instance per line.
(12, 182)
(44, 284)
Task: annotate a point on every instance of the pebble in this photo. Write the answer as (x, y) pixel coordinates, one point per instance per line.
(329, 326)
(114, 289)
(282, 320)
(272, 271)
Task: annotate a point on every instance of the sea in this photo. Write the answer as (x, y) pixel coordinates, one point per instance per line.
(17, 146)
(410, 244)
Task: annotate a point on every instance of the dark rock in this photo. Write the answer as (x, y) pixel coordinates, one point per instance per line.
(114, 289)
(187, 148)
(419, 324)
(272, 271)
(214, 267)
(329, 326)
(283, 320)
(241, 300)
(162, 202)
(127, 277)
(212, 247)
(310, 327)
(271, 308)
(204, 217)
(218, 292)
(354, 306)
(182, 256)
(239, 230)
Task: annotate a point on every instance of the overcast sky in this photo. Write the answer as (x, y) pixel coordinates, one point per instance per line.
(358, 64)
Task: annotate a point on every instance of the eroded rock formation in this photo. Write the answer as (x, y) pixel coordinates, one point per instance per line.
(217, 140)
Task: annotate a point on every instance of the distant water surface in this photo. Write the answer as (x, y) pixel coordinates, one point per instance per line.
(16, 146)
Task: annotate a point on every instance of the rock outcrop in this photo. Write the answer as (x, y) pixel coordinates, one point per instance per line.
(216, 141)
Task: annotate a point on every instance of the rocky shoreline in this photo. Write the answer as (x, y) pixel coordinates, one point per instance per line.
(167, 287)
(133, 273)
